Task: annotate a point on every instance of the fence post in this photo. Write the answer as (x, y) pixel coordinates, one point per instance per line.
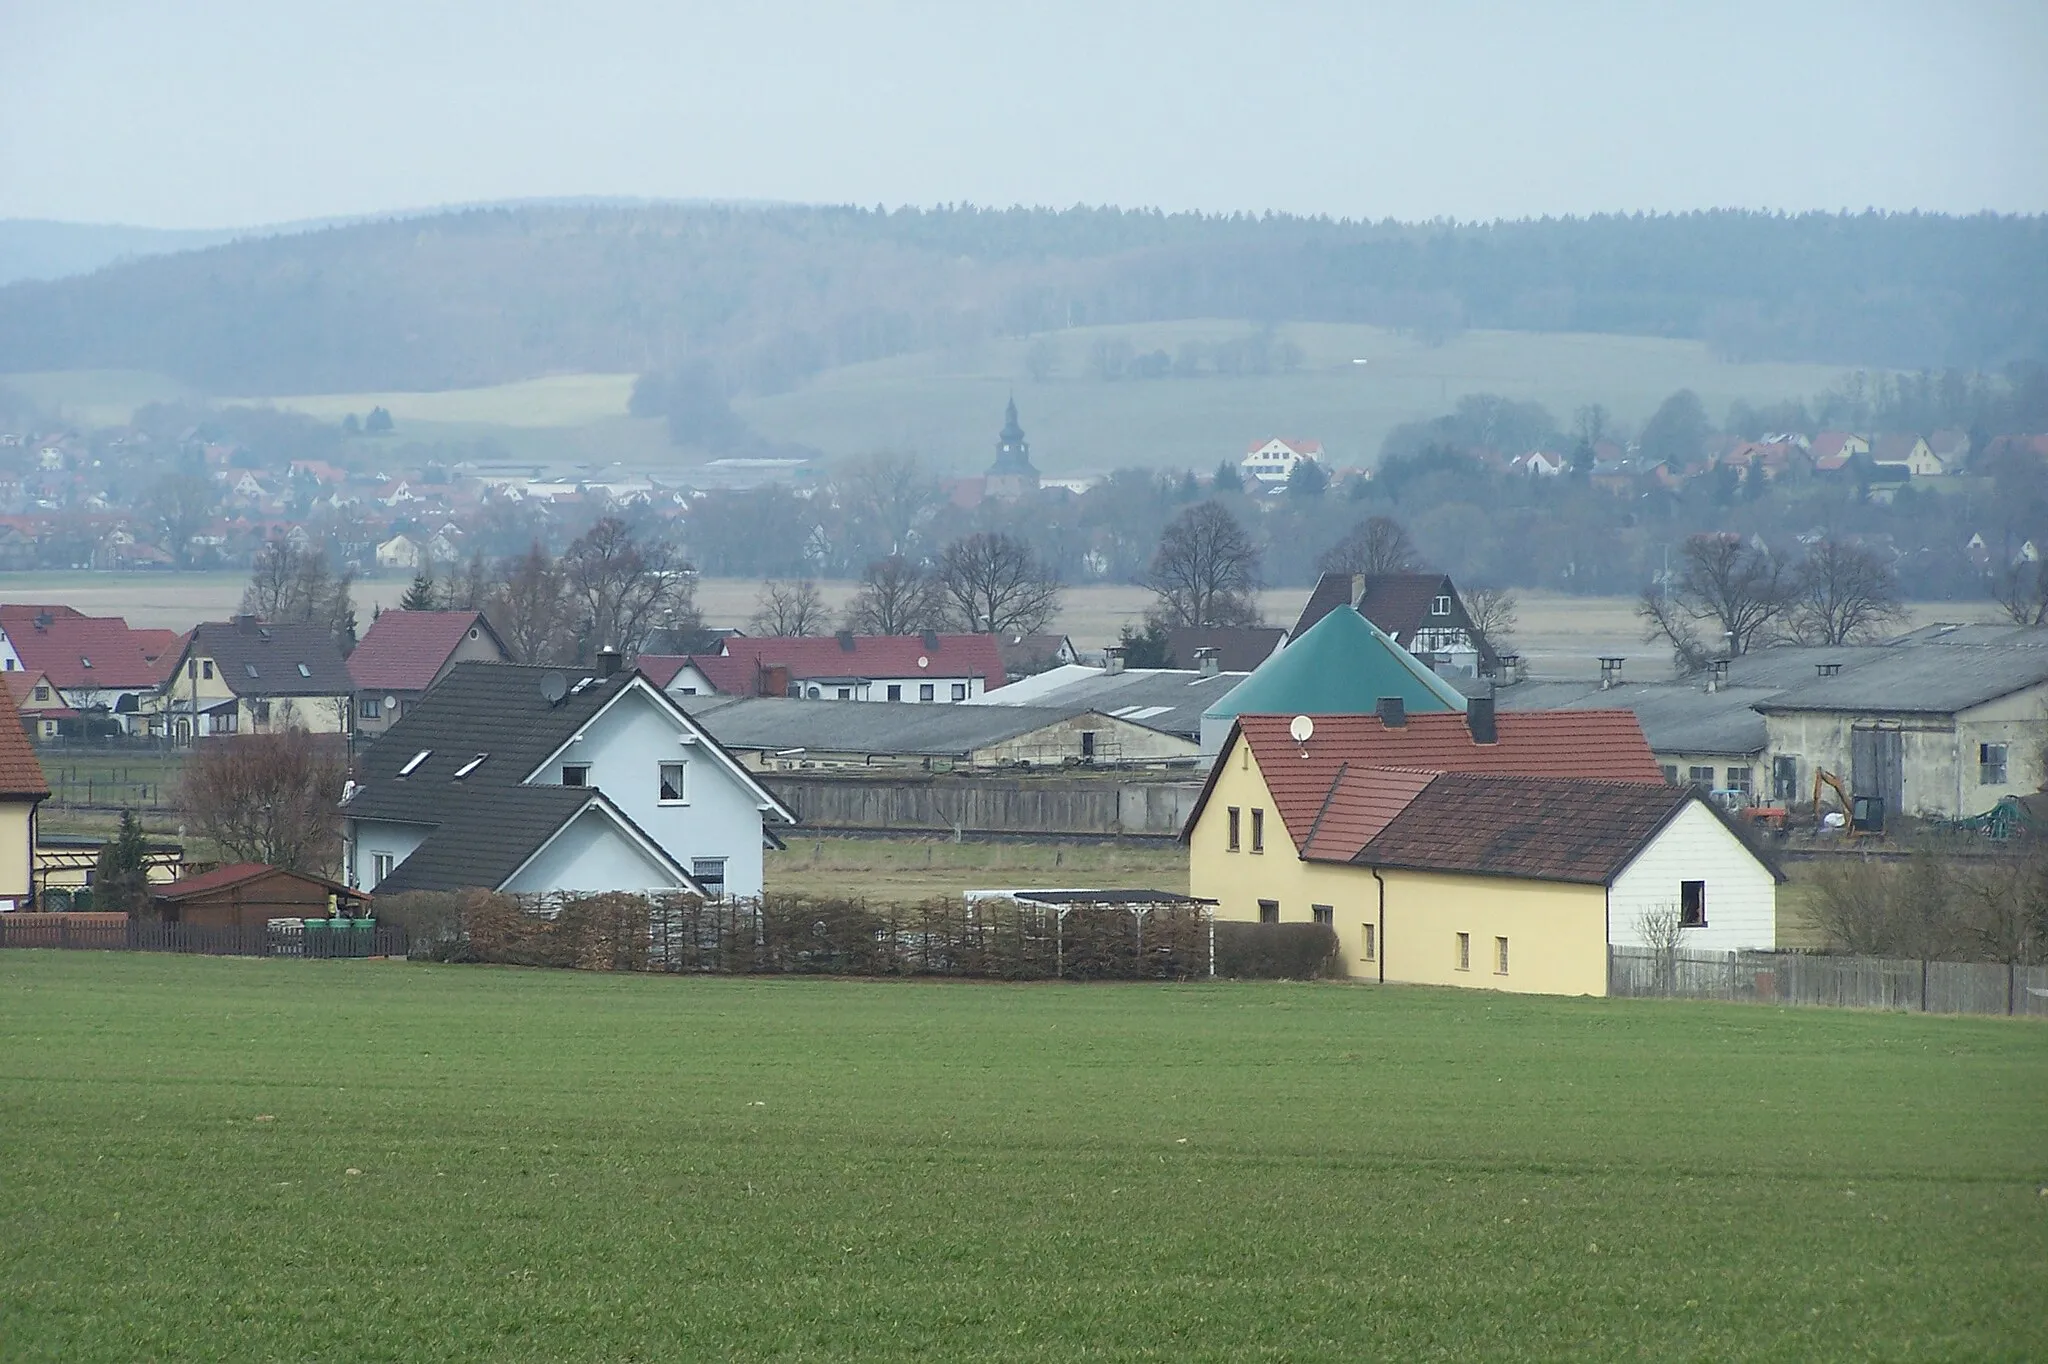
(1923, 985)
(2012, 976)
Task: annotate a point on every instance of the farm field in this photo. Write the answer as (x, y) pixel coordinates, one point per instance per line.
(247, 1159)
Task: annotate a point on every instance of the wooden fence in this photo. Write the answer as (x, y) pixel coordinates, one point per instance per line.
(1939, 987)
(119, 933)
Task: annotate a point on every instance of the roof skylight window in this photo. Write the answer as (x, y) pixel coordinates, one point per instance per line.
(249, 668)
(472, 765)
(412, 763)
(305, 671)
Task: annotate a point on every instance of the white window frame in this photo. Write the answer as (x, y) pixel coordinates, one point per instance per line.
(682, 771)
(380, 867)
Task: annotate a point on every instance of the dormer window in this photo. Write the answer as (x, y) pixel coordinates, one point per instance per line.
(305, 671)
(412, 763)
(472, 765)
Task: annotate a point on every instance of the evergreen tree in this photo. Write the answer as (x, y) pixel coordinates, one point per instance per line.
(120, 880)
(1147, 648)
(420, 596)
(378, 423)
(1228, 479)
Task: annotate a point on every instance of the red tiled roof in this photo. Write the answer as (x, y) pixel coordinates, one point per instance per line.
(1541, 828)
(235, 874)
(20, 774)
(869, 656)
(1361, 801)
(406, 650)
(82, 651)
(727, 676)
(1605, 745)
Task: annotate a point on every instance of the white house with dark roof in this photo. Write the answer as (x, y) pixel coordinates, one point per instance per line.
(538, 781)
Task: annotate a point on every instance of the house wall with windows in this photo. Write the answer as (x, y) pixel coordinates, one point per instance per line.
(1951, 766)
(374, 847)
(1735, 905)
(624, 751)
(1556, 932)
(1719, 772)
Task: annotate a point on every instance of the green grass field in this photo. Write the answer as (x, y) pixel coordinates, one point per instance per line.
(228, 1159)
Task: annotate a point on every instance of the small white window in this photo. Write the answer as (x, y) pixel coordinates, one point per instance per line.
(472, 765)
(1440, 607)
(1371, 941)
(672, 783)
(380, 867)
(846, 693)
(1500, 956)
(709, 872)
(412, 763)
(1464, 951)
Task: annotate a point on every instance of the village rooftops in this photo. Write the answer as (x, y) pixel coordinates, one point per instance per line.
(79, 651)
(772, 723)
(1170, 700)
(839, 657)
(404, 651)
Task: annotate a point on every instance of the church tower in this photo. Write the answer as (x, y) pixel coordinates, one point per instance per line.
(1012, 476)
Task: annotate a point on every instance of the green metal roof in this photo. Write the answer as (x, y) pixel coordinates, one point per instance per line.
(1341, 665)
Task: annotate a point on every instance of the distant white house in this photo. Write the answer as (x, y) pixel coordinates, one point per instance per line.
(1273, 461)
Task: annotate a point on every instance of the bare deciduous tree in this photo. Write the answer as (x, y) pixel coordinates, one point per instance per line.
(1205, 571)
(886, 496)
(1378, 544)
(994, 585)
(269, 798)
(1494, 613)
(1738, 590)
(289, 585)
(530, 609)
(626, 585)
(789, 609)
(1662, 929)
(1843, 594)
(896, 598)
(2022, 590)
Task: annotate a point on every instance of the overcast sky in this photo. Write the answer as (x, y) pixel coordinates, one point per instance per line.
(216, 113)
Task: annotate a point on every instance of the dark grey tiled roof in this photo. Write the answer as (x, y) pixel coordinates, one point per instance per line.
(483, 841)
(265, 660)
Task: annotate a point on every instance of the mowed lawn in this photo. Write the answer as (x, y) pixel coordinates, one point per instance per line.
(226, 1159)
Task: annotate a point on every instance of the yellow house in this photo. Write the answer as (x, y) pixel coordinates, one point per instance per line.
(245, 677)
(22, 789)
(1433, 870)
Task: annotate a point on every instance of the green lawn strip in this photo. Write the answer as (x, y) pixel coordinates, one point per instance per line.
(557, 1165)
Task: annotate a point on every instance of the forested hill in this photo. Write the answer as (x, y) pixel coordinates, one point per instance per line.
(771, 294)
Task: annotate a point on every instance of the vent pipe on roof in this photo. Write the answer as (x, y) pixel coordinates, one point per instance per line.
(1112, 660)
(1210, 660)
(1610, 671)
(1479, 719)
(1393, 712)
(1717, 674)
(609, 661)
(1827, 669)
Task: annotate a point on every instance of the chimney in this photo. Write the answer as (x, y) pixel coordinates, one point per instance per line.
(930, 640)
(772, 680)
(1393, 712)
(1209, 660)
(1112, 660)
(846, 641)
(1824, 669)
(1510, 668)
(1479, 719)
(1610, 671)
(245, 624)
(609, 661)
(1717, 674)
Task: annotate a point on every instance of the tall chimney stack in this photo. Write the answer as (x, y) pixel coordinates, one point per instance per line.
(1113, 660)
(609, 661)
(1479, 719)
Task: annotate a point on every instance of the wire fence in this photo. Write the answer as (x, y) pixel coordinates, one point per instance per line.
(1902, 984)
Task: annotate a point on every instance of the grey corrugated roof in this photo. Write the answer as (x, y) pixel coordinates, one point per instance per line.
(1919, 679)
(940, 731)
(1168, 700)
(1676, 717)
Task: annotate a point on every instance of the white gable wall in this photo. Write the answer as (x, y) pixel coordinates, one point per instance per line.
(1742, 896)
(368, 837)
(624, 748)
(591, 854)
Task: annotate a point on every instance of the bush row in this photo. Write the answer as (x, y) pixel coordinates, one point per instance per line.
(821, 935)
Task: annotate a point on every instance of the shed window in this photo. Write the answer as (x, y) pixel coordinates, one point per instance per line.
(1372, 945)
(1991, 764)
(1235, 819)
(1500, 956)
(1692, 904)
(1702, 777)
(1258, 830)
(1464, 951)
(1739, 779)
(1269, 911)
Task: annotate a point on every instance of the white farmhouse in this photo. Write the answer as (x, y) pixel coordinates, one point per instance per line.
(537, 781)
(1273, 461)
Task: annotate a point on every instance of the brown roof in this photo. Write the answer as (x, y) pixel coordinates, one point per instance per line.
(239, 873)
(1239, 648)
(1540, 828)
(21, 776)
(1361, 802)
(406, 650)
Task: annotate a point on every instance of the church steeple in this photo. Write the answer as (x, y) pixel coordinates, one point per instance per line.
(1012, 475)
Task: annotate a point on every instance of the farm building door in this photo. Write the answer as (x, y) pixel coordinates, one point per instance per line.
(1876, 767)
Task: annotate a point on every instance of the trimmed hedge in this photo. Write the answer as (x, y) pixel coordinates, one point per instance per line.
(826, 935)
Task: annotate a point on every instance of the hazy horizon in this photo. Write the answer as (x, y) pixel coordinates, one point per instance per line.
(229, 116)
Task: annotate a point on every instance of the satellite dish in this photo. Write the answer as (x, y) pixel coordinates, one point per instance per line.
(553, 687)
(391, 703)
(1302, 728)
(923, 661)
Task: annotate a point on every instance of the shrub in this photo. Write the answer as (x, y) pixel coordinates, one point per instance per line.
(1275, 951)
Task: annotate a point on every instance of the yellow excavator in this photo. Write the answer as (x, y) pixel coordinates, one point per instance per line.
(1862, 816)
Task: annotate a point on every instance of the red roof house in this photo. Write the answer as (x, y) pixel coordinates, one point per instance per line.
(846, 667)
(404, 653)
